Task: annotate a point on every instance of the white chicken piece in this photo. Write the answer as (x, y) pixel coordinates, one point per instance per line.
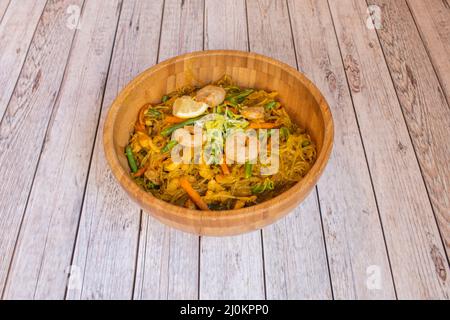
(212, 95)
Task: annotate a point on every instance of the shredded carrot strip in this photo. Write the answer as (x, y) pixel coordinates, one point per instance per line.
(139, 127)
(263, 125)
(225, 168)
(173, 119)
(141, 171)
(194, 195)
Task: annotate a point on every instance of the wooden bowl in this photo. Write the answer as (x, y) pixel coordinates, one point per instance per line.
(302, 100)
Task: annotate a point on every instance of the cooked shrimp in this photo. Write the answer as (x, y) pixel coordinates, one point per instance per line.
(211, 95)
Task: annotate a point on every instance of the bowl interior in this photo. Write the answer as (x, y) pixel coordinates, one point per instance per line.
(295, 95)
(301, 99)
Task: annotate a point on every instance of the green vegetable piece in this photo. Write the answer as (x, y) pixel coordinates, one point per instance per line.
(240, 97)
(131, 160)
(154, 113)
(248, 170)
(232, 101)
(219, 108)
(153, 186)
(267, 185)
(165, 98)
(169, 146)
(258, 189)
(270, 105)
(285, 132)
(306, 143)
(230, 114)
(168, 131)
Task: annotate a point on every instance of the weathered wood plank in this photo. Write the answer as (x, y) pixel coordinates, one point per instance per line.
(15, 39)
(239, 258)
(23, 127)
(414, 245)
(3, 8)
(353, 233)
(294, 251)
(107, 241)
(171, 272)
(433, 20)
(424, 106)
(44, 248)
(226, 25)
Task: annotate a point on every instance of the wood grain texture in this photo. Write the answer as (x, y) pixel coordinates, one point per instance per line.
(23, 127)
(107, 242)
(424, 106)
(15, 39)
(173, 274)
(294, 251)
(4, 4)
(353, 233)
(239, 258)
(122, 252)
(432, 19)
(44, 248)
(415, 248)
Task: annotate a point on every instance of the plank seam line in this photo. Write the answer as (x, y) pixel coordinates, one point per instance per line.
(365, 152)
(41, 149)
(144, 263)
(263, 265)
(261, 231)
(91, 157)
(136, 260)
(246, 23)
(412, 143)
(428, 54)
(317, 192)
(200, 237)
(47, 132)
(6, 10)
(24, 60)
(142, 211)
(292, 36)
(325, 244)
(146, 225)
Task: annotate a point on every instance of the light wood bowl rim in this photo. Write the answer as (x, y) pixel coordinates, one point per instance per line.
(303, 187)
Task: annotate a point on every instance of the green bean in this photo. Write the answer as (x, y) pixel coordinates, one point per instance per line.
(169, 146)
(168, 131)
(248, 170)
(154, 113)
(131, 160)
(238, 98)
(230, 114)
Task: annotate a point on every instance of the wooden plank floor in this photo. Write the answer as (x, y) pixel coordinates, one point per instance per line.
(377, 225)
